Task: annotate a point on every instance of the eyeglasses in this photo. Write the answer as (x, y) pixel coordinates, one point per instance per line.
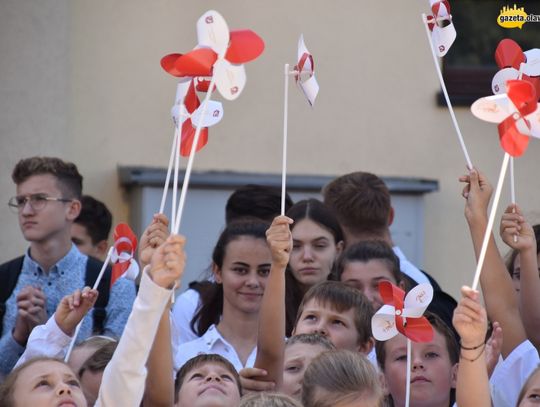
(37, 202)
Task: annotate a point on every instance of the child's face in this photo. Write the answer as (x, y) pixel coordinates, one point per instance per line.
(297, 358)
(366, 276)
(339, 327)
(48, 383)
(531, 398)
(432, 373)
(210, 384)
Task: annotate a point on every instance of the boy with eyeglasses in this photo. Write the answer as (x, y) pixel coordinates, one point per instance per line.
(47, 203)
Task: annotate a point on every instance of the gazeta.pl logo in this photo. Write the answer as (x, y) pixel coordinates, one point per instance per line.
(515, 17)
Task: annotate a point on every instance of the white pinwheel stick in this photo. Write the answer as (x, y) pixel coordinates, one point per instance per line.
(178, 114)
(513, 191)
(96, 285)
(408, 376)
(285, 124)
(168, 177)
(187, 175)
(491, 220)
(445, 93)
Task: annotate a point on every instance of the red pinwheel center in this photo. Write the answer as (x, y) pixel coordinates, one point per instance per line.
(398, 312)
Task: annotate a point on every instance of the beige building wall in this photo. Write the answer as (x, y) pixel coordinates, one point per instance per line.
(82, 80)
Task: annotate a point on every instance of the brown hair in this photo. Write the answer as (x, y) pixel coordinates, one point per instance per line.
(68, 177)
(200, 360)
(370, 250)
(311, 339)
(361, 202)
(338, 296)
(339, 376)
(268, 400)
(7, 388)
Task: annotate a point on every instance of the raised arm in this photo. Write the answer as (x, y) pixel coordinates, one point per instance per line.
(470, 321)
(499, 295)
(519, 235)
(52, 339)
(153, 237)
(159, 390)
(124, 377)
(271, 336)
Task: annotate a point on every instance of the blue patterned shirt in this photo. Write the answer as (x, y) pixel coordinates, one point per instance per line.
(63, 278)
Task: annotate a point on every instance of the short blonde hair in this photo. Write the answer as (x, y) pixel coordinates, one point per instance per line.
(338, 376)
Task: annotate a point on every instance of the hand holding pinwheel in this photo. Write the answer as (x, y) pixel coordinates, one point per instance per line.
(124, 265)
(304, 73)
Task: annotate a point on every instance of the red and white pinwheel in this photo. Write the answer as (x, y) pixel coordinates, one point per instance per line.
(219, 53)
(516, 113)
(305, 72)
(125, 244)
(513, 63)
(403, 313)
(186, 113)
(443, 32)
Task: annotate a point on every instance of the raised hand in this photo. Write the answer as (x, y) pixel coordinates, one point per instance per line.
(515, 231)
(279, 239)
(153, 237)
(72, 309)
(477, 193)
(470, 320)
(168, 262)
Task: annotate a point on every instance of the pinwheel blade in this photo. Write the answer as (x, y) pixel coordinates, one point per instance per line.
(509, 54)
(532, 67)
(230, 79)
(213, 32)
(213, 114)
(188, 136)
(383, 324)
(196, 63)
(512, 137)
(245, 46)
(417, 300)
(418, 330)
(498, 83)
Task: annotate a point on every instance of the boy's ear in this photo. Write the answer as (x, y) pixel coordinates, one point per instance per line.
(74, 209)
(454, 375)
(217, 273)
(367, 346)
(391, 216)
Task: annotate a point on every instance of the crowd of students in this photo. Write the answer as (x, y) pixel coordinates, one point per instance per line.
(283, 319)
